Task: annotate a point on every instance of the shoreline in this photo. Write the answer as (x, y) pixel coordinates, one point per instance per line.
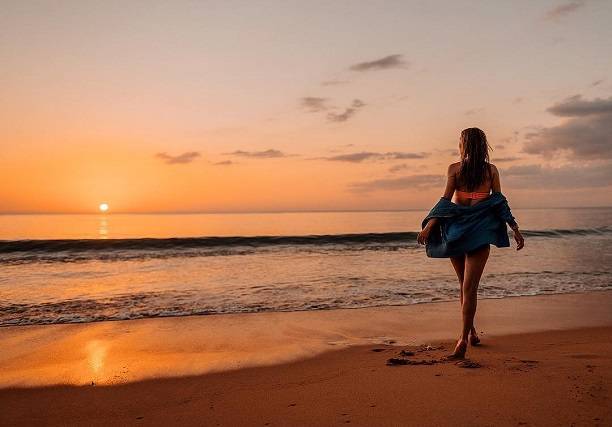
(256, 313)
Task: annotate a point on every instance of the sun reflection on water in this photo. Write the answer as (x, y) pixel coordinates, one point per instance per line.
(103, 228)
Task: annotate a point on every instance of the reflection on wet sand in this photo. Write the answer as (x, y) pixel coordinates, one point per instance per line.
(96, 354)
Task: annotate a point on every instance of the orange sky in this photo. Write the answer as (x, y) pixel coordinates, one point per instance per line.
(218, 106)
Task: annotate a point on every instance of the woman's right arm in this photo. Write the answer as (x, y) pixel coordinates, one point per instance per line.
(495, 181)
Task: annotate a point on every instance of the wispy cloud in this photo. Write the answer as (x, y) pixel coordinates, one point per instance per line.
(509, 139)
(587, 134)
(266, 154)
(400, 183)
(473, 111)
(349, 112)
(577, 106)
(522, 170)
(597, 82)
(564, 10)
(565, 177)
(505, 159)
(398, 168)
(391, 61)
(183, 158)
(224, 163)
(353, 157)
(313, 104)
(368, 155)
(448, 151)
(334, 82)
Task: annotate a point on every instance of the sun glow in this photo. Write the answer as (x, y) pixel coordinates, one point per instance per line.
(103, 207)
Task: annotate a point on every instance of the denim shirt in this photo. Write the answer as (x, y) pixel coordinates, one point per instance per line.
(462, 229)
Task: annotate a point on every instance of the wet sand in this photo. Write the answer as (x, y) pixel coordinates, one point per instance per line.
(545, 361)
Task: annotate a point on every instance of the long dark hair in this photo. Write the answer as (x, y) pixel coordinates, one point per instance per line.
(474, 169)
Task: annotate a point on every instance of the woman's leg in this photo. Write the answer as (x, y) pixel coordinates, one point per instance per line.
(474, 266)
(459, 266)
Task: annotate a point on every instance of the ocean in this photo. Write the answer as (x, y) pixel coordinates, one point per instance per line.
(85, 268)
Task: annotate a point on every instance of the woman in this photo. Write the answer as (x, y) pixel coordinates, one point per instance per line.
(463, 231)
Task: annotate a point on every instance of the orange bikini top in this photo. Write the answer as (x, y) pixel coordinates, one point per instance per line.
(473, 194)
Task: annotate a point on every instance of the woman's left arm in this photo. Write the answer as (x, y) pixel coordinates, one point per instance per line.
(450, 183)
(448, 194)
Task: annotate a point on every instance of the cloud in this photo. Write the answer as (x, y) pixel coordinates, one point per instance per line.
(398, 168)
(368, 155)
(338, 149)
(184, 158)
(224, 163)
(266, 154)
(334, 82)
(587, 134)
(506, 159)
(519, 177)
(391, 61)
(473, 111)
(448, 152)
(522, 170)
(354, 157)
(313, 104)
(399, 155)
(577, 106)
(402, 183)
(564, 9)
(597, 82)
(564, 177)
(510, 139)
(347, 113)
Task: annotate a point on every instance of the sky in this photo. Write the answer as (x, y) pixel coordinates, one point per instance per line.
(242, 106)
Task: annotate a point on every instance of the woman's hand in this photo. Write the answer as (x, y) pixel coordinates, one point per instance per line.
(424, 234)
(518, 238)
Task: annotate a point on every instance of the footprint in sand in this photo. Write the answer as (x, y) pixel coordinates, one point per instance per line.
(433, 357)
(584, 356)
(395, 361)
(468, 364)
(521, 365)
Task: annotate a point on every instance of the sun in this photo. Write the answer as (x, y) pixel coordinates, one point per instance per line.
(103, 207)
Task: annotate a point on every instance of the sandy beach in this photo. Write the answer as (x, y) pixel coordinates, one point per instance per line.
(543, 362)
(554, 378)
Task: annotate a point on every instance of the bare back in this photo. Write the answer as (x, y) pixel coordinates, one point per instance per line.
(462, 196)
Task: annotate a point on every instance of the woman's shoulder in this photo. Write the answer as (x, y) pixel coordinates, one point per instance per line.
(453, 168)
(493, 168)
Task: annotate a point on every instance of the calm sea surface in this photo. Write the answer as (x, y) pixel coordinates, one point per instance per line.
(83, 268)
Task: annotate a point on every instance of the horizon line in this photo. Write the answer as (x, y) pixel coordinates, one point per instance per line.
(265, 211)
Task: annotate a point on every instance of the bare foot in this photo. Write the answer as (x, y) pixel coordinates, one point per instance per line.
(460, 350)
(474, 340)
